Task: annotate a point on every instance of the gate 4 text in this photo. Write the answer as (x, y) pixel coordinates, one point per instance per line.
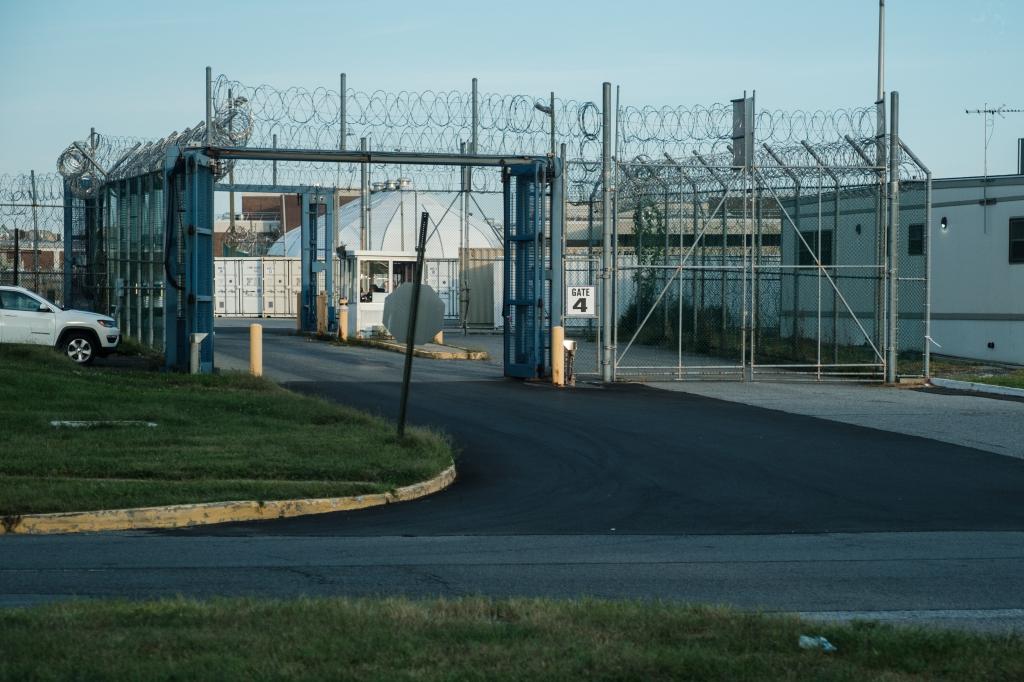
(580, 302)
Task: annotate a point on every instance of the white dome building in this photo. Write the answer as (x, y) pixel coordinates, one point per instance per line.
(395, 218)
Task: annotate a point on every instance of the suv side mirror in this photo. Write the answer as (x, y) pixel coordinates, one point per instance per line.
(43, 308)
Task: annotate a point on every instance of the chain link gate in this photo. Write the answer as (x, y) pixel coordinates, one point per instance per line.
(778, 269)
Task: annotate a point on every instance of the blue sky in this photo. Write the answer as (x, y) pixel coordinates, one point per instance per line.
(136, 68)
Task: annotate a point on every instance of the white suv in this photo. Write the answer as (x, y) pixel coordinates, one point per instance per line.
(28, 318)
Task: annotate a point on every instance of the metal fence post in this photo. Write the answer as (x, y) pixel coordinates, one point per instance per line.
(607, 314)
(364, 200)
(209, 106)
(894, 222)
(35, 234)
(342, 113)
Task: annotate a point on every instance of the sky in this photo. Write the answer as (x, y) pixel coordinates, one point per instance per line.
(137, 68)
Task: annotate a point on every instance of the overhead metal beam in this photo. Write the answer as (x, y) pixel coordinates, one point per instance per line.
(356, 156)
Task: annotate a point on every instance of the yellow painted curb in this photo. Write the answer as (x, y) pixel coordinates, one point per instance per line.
(182, 515)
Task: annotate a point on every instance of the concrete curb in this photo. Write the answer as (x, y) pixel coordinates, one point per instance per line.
(977, 387)
(183, 515)
(455, 354)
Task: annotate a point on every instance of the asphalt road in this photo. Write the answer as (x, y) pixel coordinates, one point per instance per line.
(617, 492)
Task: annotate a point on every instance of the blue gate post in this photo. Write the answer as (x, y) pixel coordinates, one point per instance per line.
(307, 240)
(312, 263)
(199, 258)
(330, 236)
(524, 296)
(173, 318)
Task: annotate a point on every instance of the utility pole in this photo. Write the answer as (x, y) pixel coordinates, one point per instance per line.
(988, 115)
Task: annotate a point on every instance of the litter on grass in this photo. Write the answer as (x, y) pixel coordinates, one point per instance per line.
(808, 642)
(58, 424)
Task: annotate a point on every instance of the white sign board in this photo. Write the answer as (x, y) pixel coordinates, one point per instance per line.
(581, 301)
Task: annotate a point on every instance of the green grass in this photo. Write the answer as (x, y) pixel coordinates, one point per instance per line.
(219, 437)
(472, 639)
(1011, 379)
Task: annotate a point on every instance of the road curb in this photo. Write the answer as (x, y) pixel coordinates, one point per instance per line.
(977, 387)
(184, 515)
(456, 353)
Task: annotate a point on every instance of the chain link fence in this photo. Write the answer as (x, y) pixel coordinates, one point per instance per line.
(32, 233)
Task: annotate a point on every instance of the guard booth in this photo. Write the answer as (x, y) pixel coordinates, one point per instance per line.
(368, 278)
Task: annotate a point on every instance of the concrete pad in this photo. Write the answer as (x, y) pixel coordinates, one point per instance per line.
(968, 420)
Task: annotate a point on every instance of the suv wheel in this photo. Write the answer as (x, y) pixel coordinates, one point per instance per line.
(80, 348)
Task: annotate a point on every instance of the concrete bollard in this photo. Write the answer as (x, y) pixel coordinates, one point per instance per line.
(558, 356)
(343, 319)
(256, 350)
(439, 338)
(195, 343)
(298, 311)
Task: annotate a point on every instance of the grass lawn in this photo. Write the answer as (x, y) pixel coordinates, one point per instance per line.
(219, 437)
(472, 639)
(1011, 379)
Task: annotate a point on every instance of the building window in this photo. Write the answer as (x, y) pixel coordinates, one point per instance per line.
(1017, 240)
(915, 243)
(805, 256)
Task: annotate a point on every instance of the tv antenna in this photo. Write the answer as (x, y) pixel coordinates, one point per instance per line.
(989, 115)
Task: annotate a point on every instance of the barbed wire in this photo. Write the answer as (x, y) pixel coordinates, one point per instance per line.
(88, 164)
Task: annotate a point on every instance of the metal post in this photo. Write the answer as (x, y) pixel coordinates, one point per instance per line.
(607, 313)
(464, 246)
(342, 113)
(894, 221)
(364, 200)
(927, 257)
(475, 130)
(421, 247)
(273, 166)
(554, 147)
(557, 222)
(17, 255)
(881, 51)
(69, 244)
(209, 106)
(35, 234)
(231, 173)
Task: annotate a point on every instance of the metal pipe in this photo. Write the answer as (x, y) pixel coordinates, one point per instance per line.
(927, 256)
(464, 246)
(554, 147)
(607, 313)
(894, 221)
(342, 112)
(231, 173)
(209, 106)
(35, 233)
(364, 199)
(474, 131)
(880, 92)
(421, 247)
(273, 165)
(369, 156)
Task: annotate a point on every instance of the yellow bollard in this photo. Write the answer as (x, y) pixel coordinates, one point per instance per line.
(439, 338)
(343, 319)
(256, 350)
(558, 356)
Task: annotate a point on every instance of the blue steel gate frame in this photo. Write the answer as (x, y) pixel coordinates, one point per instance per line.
(529, 305)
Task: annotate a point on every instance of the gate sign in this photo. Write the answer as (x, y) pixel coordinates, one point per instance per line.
(580, 302)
